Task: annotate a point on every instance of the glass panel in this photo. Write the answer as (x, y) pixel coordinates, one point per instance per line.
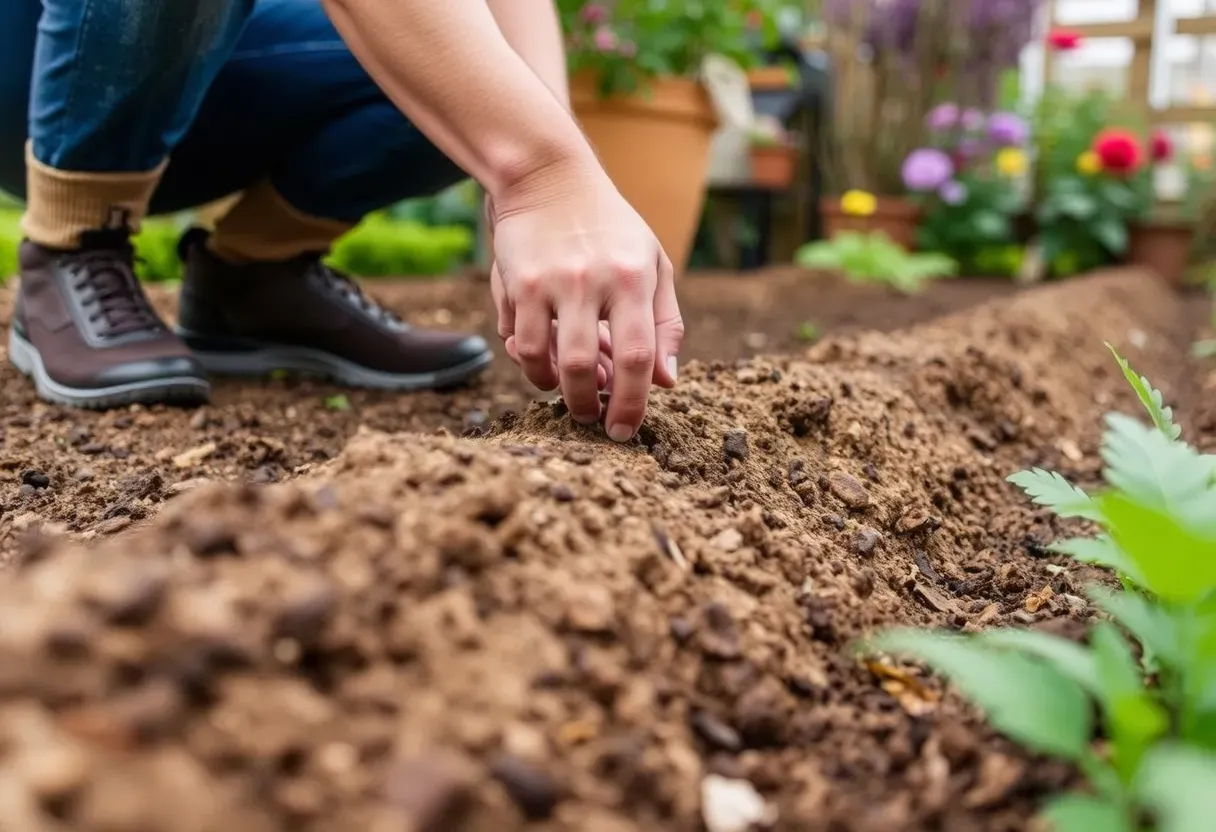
(1073, 12)
(1100, 63)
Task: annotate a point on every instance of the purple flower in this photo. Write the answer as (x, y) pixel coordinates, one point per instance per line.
(943, 117)
(969, 147)
(972, 119)
(953, 192)
(926, 169)
(1007, 130)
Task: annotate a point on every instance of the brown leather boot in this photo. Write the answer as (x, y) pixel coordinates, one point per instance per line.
(301, 316)
(84, 331)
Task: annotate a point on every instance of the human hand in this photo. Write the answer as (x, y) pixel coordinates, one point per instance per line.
(585, 295)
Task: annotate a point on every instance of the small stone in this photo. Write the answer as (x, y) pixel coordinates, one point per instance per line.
(35, 479)
(867, 540)
(562, 493)
(534, 791)
(716, 733)
(730, 805)
(734, 445)
(681, 628)
(590, 609)
(848, 490)
(186, 485)
(916, 519)
(430, 792)
(194, 456)
(306, 612)
(728, 540)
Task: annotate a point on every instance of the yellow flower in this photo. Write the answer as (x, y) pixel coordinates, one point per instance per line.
(1011, 162)
(1089, 163)
(858, 203)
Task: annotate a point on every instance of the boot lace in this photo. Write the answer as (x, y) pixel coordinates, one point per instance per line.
(352, 293)
(108, 286)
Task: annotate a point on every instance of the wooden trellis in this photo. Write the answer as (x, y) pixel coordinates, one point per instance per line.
(1145, 34)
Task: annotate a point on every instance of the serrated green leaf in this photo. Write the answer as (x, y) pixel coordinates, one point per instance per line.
(1179, 784)
(1148, 623)
(1150, 397)
(1050, 489)
(1067, 657)
(1082, 813)
(1099, 551)
(1152, 469)
(1132, 717)
(1024, 698)
(1174, 562)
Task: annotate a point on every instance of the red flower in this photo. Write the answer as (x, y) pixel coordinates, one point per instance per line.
(1063, 40)
(1119, 150)
(1160, 148)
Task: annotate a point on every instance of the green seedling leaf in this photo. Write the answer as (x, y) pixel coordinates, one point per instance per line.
(1150, 397)
(1154, 470)
(338, 402)
(1148, 623)
(1047, 488)
(1179, 784)
(1132, 717)
(1099, 551)
(1023, 697)
(1067, 657)
(1175, 562)
(1082, 813)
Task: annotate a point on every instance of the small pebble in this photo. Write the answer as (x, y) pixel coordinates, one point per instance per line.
(534, 791)
(35, 479)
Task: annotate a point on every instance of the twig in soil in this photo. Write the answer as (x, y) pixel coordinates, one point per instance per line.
(670, 548)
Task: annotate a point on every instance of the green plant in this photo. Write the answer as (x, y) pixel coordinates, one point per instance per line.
(974, 224)
(1149, 672)
(874, 258)
(808, 332)
(1082, 204)
(339, 402)
(627, 43)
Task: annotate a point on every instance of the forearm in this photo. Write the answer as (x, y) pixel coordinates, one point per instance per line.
(533, 30)
(450, 69)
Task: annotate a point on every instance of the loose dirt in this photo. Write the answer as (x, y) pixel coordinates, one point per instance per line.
(536, 629)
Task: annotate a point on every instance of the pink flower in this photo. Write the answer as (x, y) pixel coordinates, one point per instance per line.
(606, 39)
(594, 13)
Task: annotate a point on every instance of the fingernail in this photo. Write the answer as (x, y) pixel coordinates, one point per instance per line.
(620, 433)
(672, 364)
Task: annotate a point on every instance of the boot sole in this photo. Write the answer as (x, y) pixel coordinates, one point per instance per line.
(182, 390)
(268, 360)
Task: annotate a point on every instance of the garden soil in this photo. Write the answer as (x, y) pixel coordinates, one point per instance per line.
(533, 628)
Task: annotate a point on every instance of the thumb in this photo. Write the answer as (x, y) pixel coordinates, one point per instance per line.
(668, 325)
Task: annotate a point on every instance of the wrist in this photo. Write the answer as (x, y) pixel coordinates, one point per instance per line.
(538, 173)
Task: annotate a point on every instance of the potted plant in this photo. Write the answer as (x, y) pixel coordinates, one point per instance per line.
(892, 61)
(774, 155)
(1091, 181)
(969, 183)
(873, 257)
(635, 90)
(1163, 240)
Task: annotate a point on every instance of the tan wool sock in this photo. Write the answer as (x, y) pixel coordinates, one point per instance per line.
(263, 227)
(61, 205)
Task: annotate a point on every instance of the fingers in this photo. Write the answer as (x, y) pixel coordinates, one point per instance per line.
(533, 327)
(631, 321)
(669, 326)
(578, 357)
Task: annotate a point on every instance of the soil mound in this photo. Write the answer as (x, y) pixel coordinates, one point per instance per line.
(538, 629)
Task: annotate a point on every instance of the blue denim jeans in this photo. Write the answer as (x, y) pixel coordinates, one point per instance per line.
(230, 91)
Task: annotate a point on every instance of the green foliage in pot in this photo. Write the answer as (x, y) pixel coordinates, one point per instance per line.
(1091, 180)
(627, 43)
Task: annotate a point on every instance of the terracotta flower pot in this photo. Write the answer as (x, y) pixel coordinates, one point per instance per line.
(1164, 248)
(897, 217)
(773, 166)
(655, 147)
